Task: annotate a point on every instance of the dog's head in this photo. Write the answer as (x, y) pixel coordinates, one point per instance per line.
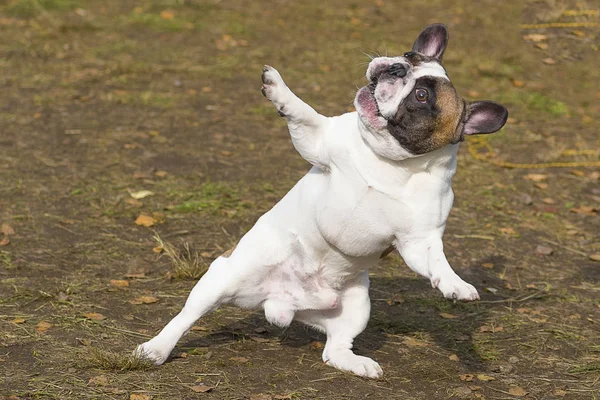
(410, 108)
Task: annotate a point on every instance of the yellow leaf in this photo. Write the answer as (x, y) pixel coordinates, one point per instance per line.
(508, 231)
(485, 378)
(541, 185)
(595, 257)
(119, 282)
(161, 174)
(487, 265)
(18, 320)
(7, 230)
(144, 300)
(466, 377)
(536, 177)
(95, 316)
(168, 15)
(448, 316)
(518, 83)
(43, 326)
(144, 220)
(517, 391)
(453, 357)
(141, 194)
(535, 37)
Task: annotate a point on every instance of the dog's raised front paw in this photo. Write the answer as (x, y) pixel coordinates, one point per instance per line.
(274, 88)
(359, 365)
(151, 352)
(455, 288)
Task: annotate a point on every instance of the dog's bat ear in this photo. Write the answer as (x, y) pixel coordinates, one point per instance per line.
(484, 117)
(432, 41)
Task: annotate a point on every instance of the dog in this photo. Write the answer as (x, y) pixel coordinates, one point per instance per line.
(380, 179)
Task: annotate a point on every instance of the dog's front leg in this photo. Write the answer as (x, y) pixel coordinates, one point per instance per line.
(426, 257)
(307, 127)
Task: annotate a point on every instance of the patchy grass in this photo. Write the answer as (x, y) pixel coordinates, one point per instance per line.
(158, 22)
(536, 102)
(109, 360)
(213, 198)
(185, 264)
(30, 8)
(585, 369)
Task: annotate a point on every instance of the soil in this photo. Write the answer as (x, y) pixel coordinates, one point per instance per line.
(101, 100)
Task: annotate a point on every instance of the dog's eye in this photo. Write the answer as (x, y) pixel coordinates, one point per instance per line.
(421, 95)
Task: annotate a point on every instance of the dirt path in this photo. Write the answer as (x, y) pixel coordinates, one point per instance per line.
(101, 100)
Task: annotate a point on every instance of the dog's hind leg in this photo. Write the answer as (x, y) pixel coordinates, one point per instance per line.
(208, 294)
(307, 127)
(342, 325)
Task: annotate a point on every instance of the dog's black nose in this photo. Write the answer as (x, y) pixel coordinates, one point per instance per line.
(398, 70)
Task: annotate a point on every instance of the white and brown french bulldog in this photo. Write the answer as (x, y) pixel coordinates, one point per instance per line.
(381, 179)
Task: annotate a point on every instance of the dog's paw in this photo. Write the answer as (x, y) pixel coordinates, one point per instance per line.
(151, 352)
(455, 288)
(274, 88)
(359, 365)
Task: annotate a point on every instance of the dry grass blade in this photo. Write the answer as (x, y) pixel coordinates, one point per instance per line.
(185, 264)
(117, 362)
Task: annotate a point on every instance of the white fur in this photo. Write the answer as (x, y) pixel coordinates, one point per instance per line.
(308, 257)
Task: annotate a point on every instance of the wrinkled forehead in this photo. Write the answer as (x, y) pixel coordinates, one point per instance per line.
(425, 66)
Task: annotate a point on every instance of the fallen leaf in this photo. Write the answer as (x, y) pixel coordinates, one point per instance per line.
(134, 202)
(226, 153)
(239, 359)
(578, 33)
(412, 342)
(100, 380)
(544, 250)
(542, 46)
(201, 388)
(473, 93)
(168, 15)
(18, 320)
(508, 231)
(453, 357)
(585, 210)
(316, 345)
(594, 257)
(7, 230)
(119, 282)
(536, 177)
(198, 328)
(282, 397)
(466, 377)
(448, 316)
(517, 391)
(492, 329)
(260, 396)
(95, 316)
(577, 172)
(485, 378)
(144, 300)
(144, 220)
(511, 120)
(535, 37)
(487, 265)
(158, 249)
(161, 174)
(139, 396)
(517, 83)
(4, 241)
(548, 200)
(560, 392)
(43, 326)
(141, 194)
(541, 185)
(549, 61)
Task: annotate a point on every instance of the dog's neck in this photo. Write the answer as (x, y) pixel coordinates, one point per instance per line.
(385, 152)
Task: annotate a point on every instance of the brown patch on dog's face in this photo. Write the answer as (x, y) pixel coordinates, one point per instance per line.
(428, 118)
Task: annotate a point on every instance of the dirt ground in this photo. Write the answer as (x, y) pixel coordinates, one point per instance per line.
(103, 100)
